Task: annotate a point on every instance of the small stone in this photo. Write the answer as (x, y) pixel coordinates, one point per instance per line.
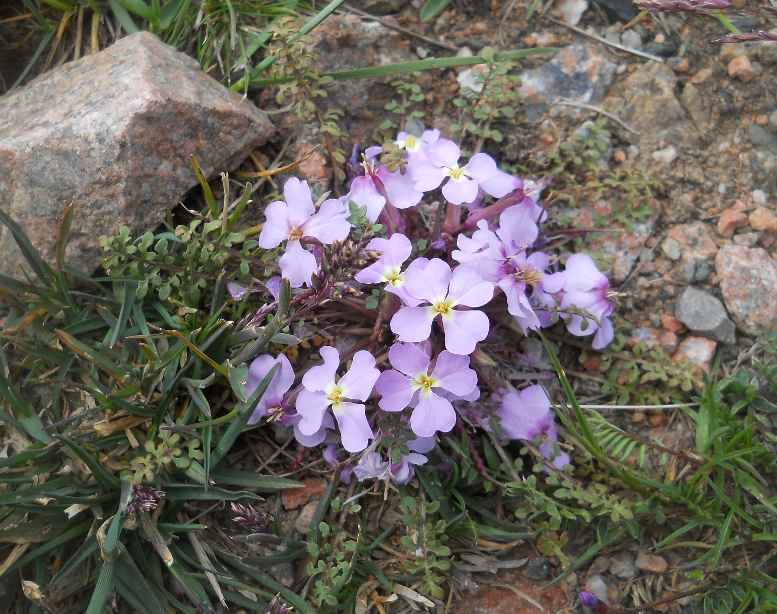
(658, 420)
(546, 39)
(705, 315)
(748, 239)
(283, 573)
(638, 416)
(667, 155)
(722, 188)
(672, 248)
(604, 590)
(740, 68)
(631, 39)
(530, 41)
(698, 350)
(537, 569)
(571, 11)
(762, 218)
(748, 283)
(622, 566)
(679, 64)
(643, 334)
(729, 221)
(547, 139)
(600, 565)
(305, 518)
(672, 324)
(311, 489)
(759, 198)
(762, 138)
(762, 120)
(619, 156)
(767, 51)
(773, 120)
(669, 342)
(651, 562)
(701, 76)
(659, 38)
(731, 51)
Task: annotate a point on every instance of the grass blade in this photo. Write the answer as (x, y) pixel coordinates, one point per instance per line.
(31, 255)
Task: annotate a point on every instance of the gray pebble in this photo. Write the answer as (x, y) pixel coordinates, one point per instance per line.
(773, 120)
(537, 569)
(631, 39)
(762, 138)
(705, 315)
(622, 565)
(672, 248)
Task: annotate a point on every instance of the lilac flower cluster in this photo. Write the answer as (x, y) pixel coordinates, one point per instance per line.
(433, 308)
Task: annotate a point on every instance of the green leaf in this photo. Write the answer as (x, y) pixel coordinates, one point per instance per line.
(123, 17)
(433, 8)
(262, 483)
(105, 480)
(242, 418)
(31, 255)
(184, 492)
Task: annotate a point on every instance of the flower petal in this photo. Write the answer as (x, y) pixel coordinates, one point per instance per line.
(299, 200)
(468, 288)
(461, 191)
(432, 414)
(364, 194)
(396, 390)
(413, 323)
(409, 359)
(401, 189)
(355, 431)
(329, 224)
(463, 329)
(319, 378)
(276, 228)
(311, 405)
(361, 377)
(297, 264)
(453, 373)
(429, 283)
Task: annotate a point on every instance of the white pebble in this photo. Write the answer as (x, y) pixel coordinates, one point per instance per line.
(667, 156)
(759, 197)
(421, 52)
(722, 188)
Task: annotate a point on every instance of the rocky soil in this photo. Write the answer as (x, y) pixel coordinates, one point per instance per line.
(696, 268)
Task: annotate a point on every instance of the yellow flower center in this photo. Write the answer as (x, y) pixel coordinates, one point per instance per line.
(410, 142)
(425, 383)
(395, 277)
(295, 233)
(455, 172)
(529, 276)
(334, 394)
(443, 307)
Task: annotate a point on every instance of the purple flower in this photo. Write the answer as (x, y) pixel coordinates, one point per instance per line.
(388, 269)
(144, 499)
(296, 219)
(586, 288)
(590, 600)
(416, 146)
(371, 466)
(321, 390)
(442, 160)
(526, 415)
(444, 291)
(411, 383)
(365, 194)
(272, 402)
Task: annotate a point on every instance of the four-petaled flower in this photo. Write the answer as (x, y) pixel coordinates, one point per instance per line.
(321, 390)
(442, 160)
(297, 219)
(411, 384)
(272, 403)
(444, 291)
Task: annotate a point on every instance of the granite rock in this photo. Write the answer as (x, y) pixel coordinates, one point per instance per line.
(748, 283)
(699, 350)
(705, 315)
(578, 72)
(113, 133)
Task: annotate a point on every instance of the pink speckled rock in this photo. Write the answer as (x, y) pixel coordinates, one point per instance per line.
(748, 282)
(112, 133)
